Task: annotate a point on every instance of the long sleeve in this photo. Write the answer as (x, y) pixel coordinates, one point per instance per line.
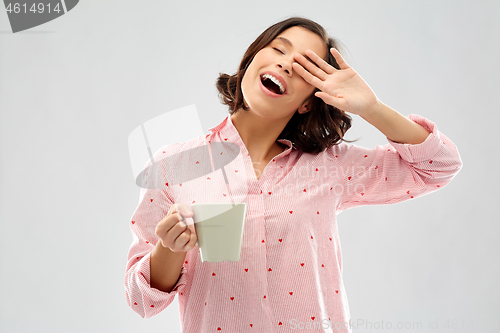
(153, 206)
(395, 172)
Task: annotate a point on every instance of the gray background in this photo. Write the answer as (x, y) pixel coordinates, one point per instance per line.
(73, 89)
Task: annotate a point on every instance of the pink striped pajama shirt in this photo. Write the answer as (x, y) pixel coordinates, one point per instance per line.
(289, 276)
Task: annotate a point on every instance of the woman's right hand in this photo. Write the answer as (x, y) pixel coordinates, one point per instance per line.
(173, 231)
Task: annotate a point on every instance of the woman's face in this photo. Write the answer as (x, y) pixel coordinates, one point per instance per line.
(274, 63)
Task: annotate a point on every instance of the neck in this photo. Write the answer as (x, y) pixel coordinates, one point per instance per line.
(259, 134)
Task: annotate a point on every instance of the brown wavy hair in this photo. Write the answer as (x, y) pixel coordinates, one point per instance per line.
(312, 132)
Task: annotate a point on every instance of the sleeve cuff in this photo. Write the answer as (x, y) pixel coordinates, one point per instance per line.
(415, 153)
(144, 269)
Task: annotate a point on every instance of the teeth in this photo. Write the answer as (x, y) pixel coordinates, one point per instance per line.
(275, 80)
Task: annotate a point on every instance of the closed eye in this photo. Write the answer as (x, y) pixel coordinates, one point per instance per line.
(278, 50)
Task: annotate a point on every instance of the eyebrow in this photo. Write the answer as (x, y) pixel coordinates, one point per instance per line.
(287, 42)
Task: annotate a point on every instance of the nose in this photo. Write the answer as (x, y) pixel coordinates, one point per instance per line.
(285, 69)
(286, 65)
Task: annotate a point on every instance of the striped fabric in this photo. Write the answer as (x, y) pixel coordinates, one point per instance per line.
(290, 272)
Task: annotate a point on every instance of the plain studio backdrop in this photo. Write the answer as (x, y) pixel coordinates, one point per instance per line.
(73, 89)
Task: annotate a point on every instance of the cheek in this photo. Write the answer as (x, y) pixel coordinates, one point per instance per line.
(305, 88)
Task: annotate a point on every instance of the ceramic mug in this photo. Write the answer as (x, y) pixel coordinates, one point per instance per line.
(219, 228)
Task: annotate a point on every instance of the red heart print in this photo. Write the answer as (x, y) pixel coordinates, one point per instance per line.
(133, 222)
(205, 303)
(197, 162)
(331, 188)
(312, 237)
(151, 200)
(304, 190)
(147, 242)
(376, 166)
(264, 296)
(330, 238)
(385, 178)
(213, 274)
(223, 194)
(208, 178)
(336, 156)
(221, 153)
(337, 291)
(235, 170)
(260, 191)
(281, 239)
(152, 306)
(269, 193)
(438, 186)
(317, 212)
(246, 269)
(316, 169)
(251, 325)
(270, 270)
(302, 264)
(232, 298)
(407, 192)
(430, 161)
(262, 241)
(349, 177)
(291, 292)
(273, 160)
(362, 194)
(411, 197)
(193, 201)
(313, 318)
(322, 265)
(185, 262)
(219, 329)
(280, 323)
(164, 152)
(290, 211)
(166, 184)
(135, 303)
(388, 150)
(180, 184)
(225, 139)
(366, 155)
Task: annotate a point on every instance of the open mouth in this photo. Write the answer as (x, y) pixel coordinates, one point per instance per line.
(272, 84)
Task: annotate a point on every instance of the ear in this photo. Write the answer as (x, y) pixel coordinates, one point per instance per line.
(305, 107)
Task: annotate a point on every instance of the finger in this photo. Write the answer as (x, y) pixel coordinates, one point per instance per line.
(191, 228)
(339, 59)
(182, 209)
(308, 77)
(326, 67)
(311, 68)
(185, 210)
(339, 103)
(167, 224)
(192, 242)
(181, 240)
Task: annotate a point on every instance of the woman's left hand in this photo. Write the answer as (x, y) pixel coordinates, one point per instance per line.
(343, 89)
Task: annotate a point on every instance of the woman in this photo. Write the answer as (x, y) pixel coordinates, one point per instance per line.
(289, 104)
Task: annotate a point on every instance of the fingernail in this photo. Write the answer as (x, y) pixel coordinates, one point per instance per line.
(183, 224)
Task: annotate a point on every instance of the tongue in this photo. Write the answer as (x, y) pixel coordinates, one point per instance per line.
(271, 86)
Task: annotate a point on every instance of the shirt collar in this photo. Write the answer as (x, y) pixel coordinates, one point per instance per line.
(226, 130)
